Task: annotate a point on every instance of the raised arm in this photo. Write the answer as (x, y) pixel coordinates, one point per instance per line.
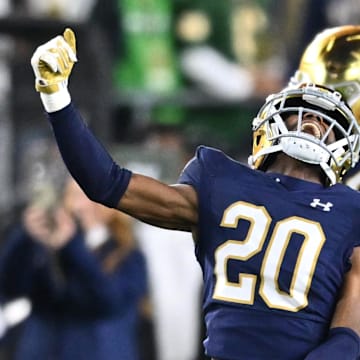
(89, 163)
(168, 206)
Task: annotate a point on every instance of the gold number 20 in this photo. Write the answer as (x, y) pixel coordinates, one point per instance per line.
(259, 219)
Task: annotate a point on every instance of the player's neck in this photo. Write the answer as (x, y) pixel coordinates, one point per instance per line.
(286, 165)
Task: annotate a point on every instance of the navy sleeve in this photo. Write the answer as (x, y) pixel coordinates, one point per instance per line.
(87, 160)
(191, 174)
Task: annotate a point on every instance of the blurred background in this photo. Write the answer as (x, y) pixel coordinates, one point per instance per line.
(155, 78)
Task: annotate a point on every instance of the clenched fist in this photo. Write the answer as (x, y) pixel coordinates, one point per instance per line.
(52, 63)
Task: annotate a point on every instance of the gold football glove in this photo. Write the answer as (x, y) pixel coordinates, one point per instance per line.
(52, 63)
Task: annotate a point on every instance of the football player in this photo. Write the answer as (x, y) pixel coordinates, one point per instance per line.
(333, 59)
(278, 243)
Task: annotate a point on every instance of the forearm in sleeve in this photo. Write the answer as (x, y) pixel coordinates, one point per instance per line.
(102, 179)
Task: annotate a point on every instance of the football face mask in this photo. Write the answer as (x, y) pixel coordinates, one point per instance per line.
(333, 145)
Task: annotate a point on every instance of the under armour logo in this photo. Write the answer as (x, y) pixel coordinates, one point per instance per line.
(326, 207)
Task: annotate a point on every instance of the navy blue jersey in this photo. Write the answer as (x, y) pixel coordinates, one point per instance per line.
(273, 250)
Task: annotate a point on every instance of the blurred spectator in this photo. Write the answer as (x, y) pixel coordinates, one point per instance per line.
(293, 36)
(229, 61)
(226, 49)
(311, 18)
(85, 278)
(69, 10)
(6, 123)
(174, 275)
(175, 280)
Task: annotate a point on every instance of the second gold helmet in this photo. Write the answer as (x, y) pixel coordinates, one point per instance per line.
(333, 59)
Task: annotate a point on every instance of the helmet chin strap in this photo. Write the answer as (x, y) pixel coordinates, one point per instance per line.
(263, 152)
(308, 152)
(329, 173)
(304, 150)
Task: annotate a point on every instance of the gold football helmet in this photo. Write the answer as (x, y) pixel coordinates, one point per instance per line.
(271, 135)
(333, 59)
